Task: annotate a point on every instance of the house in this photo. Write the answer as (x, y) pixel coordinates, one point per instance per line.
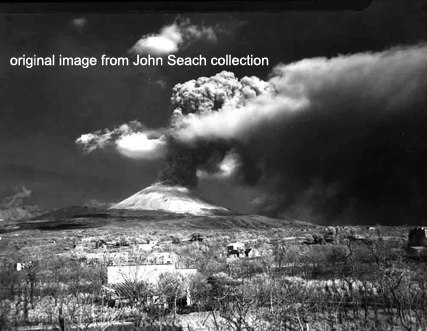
(418, 237)
(235, 249)
(252, 252)
(19, 266)
(143, 247)
(147, 273)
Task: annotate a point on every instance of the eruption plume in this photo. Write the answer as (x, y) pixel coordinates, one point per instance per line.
(338, 138)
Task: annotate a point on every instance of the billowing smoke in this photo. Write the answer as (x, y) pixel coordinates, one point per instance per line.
(227, 168)
(184, 159)
(16, 199)
(328, 139)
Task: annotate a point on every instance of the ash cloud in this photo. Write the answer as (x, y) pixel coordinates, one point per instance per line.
(225, 169)
(326, 139)
(173, 37)
(334, 139)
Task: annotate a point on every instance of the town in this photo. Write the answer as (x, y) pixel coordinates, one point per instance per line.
(140, 278)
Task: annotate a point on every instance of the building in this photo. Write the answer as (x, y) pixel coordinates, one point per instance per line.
(418, 237)
(27, 265)
(235, 250)
(19, 266)
(143, 247)
(146, 273)
(252, 252)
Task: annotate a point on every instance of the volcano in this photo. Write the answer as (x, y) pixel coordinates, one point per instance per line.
(174, 199)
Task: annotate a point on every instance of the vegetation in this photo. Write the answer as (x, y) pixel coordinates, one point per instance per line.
(353, 279)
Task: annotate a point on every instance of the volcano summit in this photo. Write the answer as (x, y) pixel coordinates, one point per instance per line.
(174, 199)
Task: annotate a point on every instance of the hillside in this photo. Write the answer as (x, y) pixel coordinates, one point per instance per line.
(78, 217)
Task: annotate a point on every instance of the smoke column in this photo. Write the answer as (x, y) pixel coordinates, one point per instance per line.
(198, 98)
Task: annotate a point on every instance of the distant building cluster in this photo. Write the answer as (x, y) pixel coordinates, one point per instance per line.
(95, 250)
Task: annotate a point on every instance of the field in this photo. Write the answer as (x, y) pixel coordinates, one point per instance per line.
(289, 275)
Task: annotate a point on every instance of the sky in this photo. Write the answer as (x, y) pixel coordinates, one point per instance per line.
(46, 109)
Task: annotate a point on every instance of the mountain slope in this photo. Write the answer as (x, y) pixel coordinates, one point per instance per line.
(173, 199)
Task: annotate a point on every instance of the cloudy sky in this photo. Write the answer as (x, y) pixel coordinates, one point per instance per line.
(45, 109)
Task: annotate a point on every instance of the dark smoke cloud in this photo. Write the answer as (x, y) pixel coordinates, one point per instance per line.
(189, 160)
(340, 139)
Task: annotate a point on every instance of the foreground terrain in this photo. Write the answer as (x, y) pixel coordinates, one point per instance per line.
(253, 273)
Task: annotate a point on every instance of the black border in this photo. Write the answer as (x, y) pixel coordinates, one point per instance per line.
(23, 7)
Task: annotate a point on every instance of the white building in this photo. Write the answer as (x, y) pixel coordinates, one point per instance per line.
(149, 273)
(146, 273)
(144, 247)
(19, 266)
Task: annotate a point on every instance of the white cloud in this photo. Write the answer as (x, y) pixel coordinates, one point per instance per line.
(171, 38)
(140, 146)
(132, 140)
(79, 23)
